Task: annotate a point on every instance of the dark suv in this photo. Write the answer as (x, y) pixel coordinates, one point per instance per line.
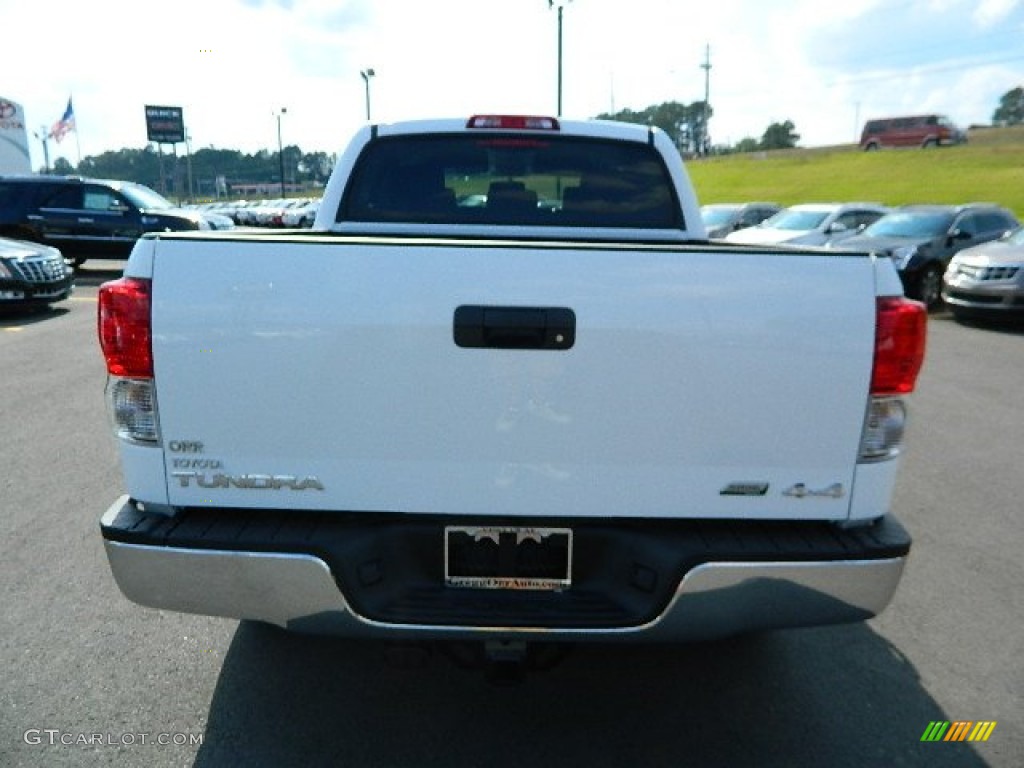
(921, 239)
(87, 218)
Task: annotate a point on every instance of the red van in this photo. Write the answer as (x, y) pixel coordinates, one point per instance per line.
(914, 131)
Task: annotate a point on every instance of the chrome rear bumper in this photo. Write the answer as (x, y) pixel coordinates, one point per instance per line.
(299, 592)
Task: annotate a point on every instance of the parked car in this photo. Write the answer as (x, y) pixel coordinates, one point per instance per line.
(722, 218)
(234, 210)
(912, 131)
(274, 215)
(302, 216)
(811, 224)
(32, 274)
(243, 212)
(987, 280)
(214, 215)
(263, 213)
(87, 218)
(921, 240)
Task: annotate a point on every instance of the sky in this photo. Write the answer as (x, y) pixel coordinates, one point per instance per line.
(234, 65)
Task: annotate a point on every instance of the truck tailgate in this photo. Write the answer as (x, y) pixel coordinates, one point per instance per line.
(322, 373)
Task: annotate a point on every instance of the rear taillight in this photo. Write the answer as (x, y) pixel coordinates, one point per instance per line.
(125, 333)
(131, 404)
(124, 327)
(900, 331)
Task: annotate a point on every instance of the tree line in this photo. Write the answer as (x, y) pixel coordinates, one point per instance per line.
(687, 125)
(211, 173)
(200, 175)
(206, 173)
(1011, 108)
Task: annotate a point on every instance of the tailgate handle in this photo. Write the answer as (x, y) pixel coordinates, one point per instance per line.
(514, 327)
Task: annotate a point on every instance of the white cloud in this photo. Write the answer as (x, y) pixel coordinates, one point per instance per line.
(992, 12)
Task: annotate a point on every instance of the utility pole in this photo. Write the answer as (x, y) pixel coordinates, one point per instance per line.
(706, 66)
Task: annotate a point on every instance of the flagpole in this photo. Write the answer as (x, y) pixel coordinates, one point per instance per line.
(78, 141)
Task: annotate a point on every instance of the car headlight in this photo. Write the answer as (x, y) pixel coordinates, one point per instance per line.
(901, 256)
(4, 271)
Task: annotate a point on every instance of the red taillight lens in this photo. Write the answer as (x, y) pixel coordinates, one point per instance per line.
(124, 327)
(900, 332)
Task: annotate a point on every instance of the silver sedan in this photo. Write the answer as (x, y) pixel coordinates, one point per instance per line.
(987, 281)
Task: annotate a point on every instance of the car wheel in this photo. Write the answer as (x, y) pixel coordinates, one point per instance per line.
(960, 316)
(929, 143)
(871, 147)
(929, 287)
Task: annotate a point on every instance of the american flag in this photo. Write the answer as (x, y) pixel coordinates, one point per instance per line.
(67, 123)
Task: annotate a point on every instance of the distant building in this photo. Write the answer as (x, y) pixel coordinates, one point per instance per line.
(14, 157)
(262, 188)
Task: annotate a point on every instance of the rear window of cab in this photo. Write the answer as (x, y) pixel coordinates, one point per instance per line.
(511, 179)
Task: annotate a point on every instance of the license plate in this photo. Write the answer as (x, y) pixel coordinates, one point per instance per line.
(507, 557)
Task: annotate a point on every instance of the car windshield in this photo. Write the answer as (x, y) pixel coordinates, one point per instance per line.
(1016, 237)
(910, 224)
(716, 215)
(795, 220)
(145, 198)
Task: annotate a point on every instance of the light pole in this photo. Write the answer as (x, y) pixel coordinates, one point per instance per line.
(280, 148)
(366, 75)
(706, 66)
(188, 162)
(43, 135)
(560, 5)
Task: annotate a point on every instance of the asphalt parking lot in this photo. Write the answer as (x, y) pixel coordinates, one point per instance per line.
(91, 679)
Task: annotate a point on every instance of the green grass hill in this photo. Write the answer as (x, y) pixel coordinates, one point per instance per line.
(989, 168)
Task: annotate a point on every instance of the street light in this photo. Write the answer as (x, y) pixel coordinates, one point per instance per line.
(559, 4)
(44, 135)
(188, 162)
(706, 66)
(280, 148)
(366, 75)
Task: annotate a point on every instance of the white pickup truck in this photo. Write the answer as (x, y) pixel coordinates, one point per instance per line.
(506, 389)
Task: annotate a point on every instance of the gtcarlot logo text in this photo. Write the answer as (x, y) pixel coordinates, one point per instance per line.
(54, 737)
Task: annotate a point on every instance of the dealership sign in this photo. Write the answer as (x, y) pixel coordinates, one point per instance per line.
(165, 125)
(14, 157)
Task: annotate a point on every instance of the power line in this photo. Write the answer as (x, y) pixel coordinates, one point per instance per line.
(928, 69)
